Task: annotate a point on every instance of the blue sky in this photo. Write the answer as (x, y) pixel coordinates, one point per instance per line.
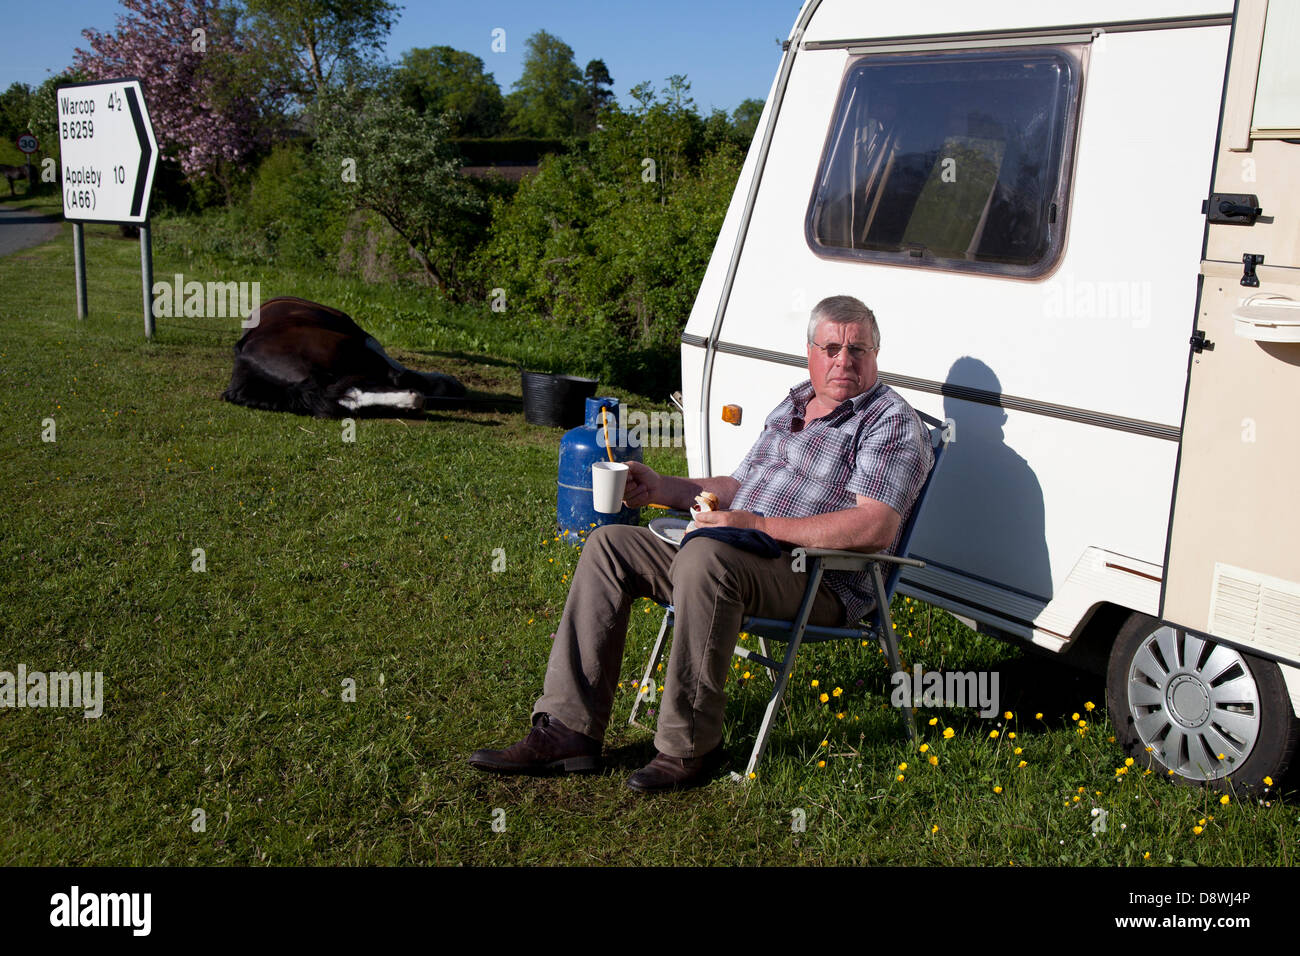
(727, 48)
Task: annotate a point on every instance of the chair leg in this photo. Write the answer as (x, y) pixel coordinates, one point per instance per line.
(762, 649)
(885, 624)
(787, 665)
(648, 676)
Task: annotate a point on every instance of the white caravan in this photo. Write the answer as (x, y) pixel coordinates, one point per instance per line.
(1077, 225)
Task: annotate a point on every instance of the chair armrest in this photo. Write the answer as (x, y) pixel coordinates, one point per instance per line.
(857, 560)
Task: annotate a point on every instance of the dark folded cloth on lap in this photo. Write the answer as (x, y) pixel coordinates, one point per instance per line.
(747, 539)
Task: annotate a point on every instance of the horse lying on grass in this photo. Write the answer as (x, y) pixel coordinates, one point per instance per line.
(309, 359)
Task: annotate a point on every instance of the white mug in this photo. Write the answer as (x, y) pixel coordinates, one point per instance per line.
(608, 480)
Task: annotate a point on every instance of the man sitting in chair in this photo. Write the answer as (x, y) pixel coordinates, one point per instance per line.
(839, 464)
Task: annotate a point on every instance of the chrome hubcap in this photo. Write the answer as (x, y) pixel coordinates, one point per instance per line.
(1195, 703)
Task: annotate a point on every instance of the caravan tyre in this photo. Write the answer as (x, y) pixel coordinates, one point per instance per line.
(1212, 714)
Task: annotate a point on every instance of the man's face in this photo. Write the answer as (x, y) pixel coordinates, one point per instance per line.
(843, 377)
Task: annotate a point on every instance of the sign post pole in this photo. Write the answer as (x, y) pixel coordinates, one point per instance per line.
(108, 153)
(146, 275)
(79, 267)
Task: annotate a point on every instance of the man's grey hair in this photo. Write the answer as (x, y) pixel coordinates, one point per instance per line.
(846, 310)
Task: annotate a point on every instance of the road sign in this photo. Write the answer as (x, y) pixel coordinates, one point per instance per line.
(108, 151)
(27, 143)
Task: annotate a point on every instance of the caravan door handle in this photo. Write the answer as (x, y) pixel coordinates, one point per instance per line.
(1237, 209)
(1233, 209)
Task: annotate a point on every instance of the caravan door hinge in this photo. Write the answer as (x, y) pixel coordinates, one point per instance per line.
(1248, 277)
(1199, 342)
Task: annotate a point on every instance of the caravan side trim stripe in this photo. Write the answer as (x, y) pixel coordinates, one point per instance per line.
(983, 37)
(1085, 416)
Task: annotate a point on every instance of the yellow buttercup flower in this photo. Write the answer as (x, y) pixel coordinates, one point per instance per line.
(821, 763)
(948, 733)
(1198, 830)
(935, 828)
(1089, 705)
(1023, 764)
(997, 789)
(815, 684)
(1007, 715)
(934, 761)
(993, 735)
(824, 698)
(1038, 716)
(1268, 781)
(924, 747)
(837, 692)
(1074, 716)
(902, 766)
(1018, 750)
(825, 743)
(933, 721)
(900, 778)
(1128, 762)
(1224, 800)
(1011, 736)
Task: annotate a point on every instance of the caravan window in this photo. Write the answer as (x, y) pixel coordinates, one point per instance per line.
(950, 160)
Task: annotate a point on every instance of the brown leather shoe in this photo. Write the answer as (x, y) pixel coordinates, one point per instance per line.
(676, 773)
(549, 747)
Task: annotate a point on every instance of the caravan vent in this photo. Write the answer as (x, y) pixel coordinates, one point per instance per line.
(1256, 609)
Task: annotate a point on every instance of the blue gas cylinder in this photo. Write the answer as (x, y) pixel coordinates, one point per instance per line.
(580, 448)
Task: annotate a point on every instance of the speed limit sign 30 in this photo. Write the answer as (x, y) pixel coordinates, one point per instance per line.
(27, 143)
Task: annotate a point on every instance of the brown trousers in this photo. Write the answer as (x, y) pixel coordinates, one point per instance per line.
(712, 587)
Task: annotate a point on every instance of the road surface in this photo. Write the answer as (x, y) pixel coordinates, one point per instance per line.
(20, 229)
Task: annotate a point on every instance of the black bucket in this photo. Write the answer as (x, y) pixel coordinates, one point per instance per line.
(556, 400)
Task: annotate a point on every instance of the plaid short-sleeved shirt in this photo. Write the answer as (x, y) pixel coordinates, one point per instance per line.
(873, 445)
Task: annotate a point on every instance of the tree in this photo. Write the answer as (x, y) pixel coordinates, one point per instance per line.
(400, 164)
(443, 79)
(597, 96)
(612, 248)
(546, 99)
(15, 110)
(308, 40)
(744, 119)
(199, 80)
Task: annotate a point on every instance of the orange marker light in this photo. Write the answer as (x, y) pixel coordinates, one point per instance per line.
(731, 414)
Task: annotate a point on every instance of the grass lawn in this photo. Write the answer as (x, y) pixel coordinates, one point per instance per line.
(329, 561)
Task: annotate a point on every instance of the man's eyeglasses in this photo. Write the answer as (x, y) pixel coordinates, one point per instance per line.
(856, 352)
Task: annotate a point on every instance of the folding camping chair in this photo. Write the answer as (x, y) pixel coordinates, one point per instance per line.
(877, 626)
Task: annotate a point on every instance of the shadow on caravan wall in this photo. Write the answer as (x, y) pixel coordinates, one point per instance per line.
(985, 493)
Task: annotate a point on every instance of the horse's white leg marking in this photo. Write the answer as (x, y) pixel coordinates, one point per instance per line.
(355, 398)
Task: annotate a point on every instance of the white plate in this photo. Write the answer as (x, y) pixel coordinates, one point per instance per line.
(671, 530)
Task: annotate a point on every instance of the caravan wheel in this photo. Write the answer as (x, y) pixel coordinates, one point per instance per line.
(1208, 712)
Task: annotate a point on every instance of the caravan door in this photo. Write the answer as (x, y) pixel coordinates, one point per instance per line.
(1233, 560)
